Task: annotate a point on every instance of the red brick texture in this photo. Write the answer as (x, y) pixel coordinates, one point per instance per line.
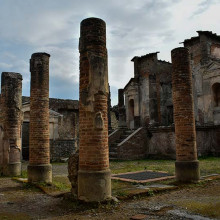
(183, 106)
(135, 146)
(11, 114)
(39, 151)
(93, 118)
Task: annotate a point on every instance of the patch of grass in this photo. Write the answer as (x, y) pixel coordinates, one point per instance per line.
(138, 165)
(208, 165)
(62, 183)
(24, 174)
(150, 192)
(30, 187)
(17, 216)
(204, 208)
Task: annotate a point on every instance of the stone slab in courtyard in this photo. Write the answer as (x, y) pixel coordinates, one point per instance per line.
(142, 176)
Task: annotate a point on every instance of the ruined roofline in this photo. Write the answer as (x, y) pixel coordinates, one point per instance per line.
(164, 61)
(207, 33)
(145, 56)
(130, 81)
(25, 98)
(66, 103)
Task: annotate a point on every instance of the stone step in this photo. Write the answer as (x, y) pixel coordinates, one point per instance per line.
(128, 132)
(113, 154)
(113, 158)
(113, 150)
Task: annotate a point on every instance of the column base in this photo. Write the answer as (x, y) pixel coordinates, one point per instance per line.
(40, 173)
(12, 169)
(187, 171)
(94, 186)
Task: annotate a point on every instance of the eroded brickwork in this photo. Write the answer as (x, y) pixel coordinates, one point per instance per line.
(39, 152)
(11, 120)
(93, 109)
(184, 116)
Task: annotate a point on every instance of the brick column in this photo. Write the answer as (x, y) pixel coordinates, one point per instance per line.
(39, 168)
(11, 116)
(94, 178)
(121, 109)
(187, 165)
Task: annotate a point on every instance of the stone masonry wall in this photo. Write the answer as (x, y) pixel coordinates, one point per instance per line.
(161, 141)
(60, 149)
(134, 146)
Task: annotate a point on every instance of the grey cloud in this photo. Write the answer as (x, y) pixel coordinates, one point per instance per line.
(204, 6)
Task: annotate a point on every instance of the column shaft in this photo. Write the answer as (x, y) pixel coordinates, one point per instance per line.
(11, 119)
(39, 168)
(94, 181)
(187, 165)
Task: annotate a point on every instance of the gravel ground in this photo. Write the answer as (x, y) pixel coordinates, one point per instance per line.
(19, 202)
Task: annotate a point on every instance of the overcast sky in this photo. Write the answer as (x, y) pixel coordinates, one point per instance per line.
(134, 28)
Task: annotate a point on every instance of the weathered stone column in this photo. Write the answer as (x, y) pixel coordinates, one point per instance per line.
(39, 168)
(121, 109)
(187, 165)
(94, 178)
(11, 120)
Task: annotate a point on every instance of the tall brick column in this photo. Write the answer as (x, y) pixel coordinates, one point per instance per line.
(121, 109)
(94, 178)
(39, 168)
(187, 165)
(11, 116)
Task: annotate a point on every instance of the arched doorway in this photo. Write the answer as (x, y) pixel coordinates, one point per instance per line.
(216, 103)
(131, 113)
(216, 94)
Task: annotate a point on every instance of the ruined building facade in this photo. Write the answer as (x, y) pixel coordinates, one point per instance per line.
(63, 127)
(148, 96)
(149, 101)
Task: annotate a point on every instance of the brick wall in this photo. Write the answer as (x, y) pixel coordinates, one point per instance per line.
(61, 149)
(134, 146)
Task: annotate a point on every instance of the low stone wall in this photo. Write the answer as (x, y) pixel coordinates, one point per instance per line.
(60, 149)
(208, 140)
(134, 146)
(161, 141)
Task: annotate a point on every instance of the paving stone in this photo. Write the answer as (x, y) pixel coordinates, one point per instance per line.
(145, 175)
(139, 217)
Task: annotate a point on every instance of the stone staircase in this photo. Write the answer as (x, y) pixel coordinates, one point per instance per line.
(113, 147)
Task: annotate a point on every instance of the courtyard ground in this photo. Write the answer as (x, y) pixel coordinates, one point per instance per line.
(195, 201)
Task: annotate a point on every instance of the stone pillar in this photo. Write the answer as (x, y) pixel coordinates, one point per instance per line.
(39, 168)
(11, 120)
(187, 165)
(121, 109)
(94, 177)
